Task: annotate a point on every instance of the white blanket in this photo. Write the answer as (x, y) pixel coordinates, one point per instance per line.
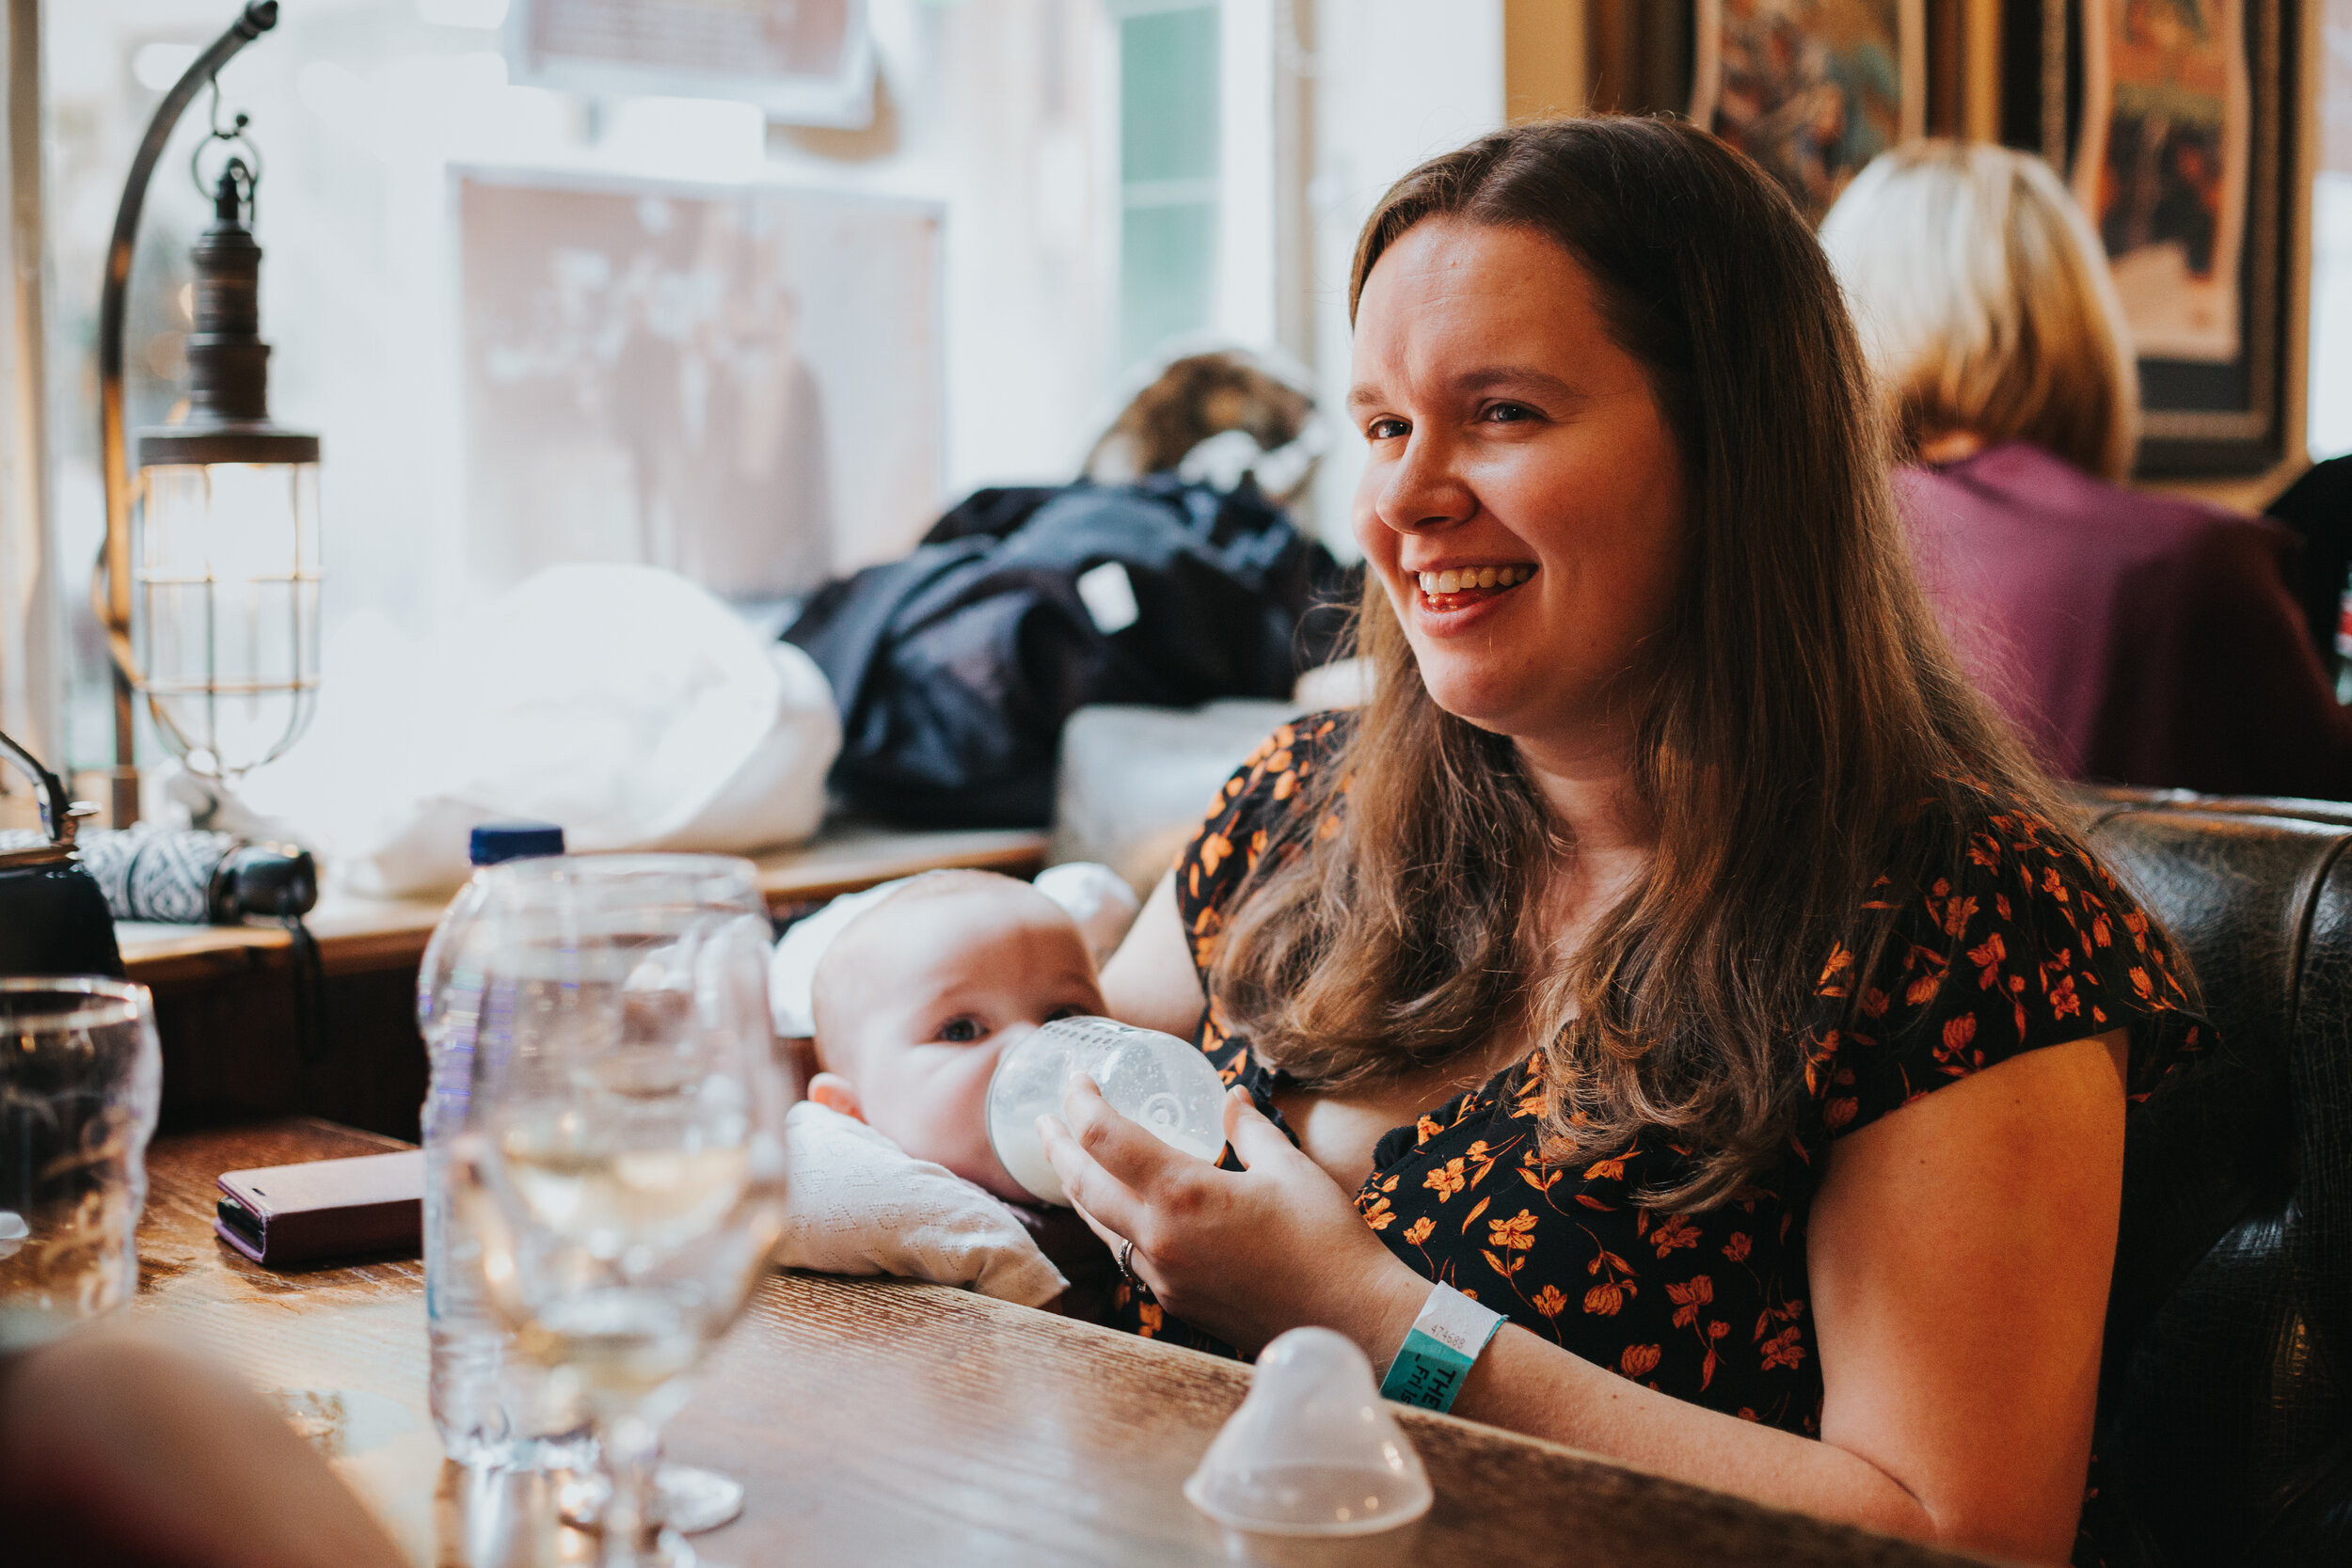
(855, 1203)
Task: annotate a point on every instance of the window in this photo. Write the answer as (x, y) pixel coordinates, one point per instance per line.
(1168, 153)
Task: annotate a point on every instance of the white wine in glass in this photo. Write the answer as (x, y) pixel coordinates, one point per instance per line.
(622, 1157)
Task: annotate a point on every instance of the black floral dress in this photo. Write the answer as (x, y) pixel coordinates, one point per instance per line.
(2036, 945)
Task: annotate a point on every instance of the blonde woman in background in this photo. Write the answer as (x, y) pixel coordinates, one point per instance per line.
(2134, 638)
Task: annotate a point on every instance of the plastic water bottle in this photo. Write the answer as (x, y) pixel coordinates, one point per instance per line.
(488, 1405)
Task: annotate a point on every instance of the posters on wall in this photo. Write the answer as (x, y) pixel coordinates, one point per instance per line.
(741, 387)
(2162, 166)
(808, 62)
(1811, 89)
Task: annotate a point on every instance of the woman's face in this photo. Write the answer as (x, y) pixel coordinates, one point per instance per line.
(1523, 506)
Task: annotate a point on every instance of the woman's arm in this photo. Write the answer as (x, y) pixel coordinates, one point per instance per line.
(1149, 982)
(115, 1450)
(1959, 1249)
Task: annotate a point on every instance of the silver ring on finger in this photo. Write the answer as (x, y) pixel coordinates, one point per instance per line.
(1127, 1255)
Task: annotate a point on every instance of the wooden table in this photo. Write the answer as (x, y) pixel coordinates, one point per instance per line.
(888, 1422)
(225, 1001)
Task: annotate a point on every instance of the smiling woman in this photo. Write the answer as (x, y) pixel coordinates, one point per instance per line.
(1676, 956)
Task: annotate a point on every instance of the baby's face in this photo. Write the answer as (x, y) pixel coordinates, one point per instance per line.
(948, 984)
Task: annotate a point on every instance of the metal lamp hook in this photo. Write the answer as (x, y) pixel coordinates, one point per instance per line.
(244, 169)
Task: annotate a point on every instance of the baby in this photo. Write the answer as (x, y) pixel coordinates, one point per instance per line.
(910, 1003)
(917, 998)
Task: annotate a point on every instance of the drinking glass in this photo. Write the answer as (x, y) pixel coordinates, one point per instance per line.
(622, 1154)
(688, 1498)
(81, 1077)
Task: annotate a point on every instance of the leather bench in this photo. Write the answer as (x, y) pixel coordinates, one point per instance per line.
(2226, 1404)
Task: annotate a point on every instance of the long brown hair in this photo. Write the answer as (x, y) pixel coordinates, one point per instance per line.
(1803, 727)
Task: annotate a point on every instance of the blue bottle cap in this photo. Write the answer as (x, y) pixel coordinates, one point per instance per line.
(494, 842)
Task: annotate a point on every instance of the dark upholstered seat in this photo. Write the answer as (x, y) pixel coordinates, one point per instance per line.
(2226, 1404)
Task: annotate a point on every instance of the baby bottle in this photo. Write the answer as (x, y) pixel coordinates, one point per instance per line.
(1157, 1080)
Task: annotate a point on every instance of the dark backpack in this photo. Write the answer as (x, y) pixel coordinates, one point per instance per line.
(955, 668)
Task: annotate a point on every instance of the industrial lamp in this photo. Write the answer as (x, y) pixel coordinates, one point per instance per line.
(212, 606)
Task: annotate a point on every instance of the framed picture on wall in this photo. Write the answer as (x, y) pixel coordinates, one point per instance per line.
(1811, 89)
(740, 385)
(2174, 121)
(805, 62)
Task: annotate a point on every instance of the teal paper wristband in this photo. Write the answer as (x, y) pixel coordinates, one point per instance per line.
(1444, 1344)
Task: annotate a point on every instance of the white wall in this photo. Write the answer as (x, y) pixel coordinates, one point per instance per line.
(28, 642)
(1396, 81)
(2329, 432)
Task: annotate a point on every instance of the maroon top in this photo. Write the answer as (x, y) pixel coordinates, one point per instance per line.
(2134, 638)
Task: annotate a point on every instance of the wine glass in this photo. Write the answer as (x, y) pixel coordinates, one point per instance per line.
(622, 1153)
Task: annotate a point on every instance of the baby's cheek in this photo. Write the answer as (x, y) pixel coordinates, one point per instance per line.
(940, 1116)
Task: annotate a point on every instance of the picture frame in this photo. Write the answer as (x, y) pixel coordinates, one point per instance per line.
(802, 62)
(741, 384)
(2213, 394)
(1811, 89)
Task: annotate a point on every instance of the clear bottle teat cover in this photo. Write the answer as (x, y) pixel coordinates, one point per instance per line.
(1314, 1451)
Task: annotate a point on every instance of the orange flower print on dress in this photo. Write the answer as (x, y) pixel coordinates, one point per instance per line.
(1518, 1232)
(1784, 1349)
(1737, 1248)
(1213, 852)
(1689, 1297)
(2063, 1002)
(1446, 1179)
(1604, 1299)
(1675, 1231)
(1958, 1033)
(1418, 1230)
(1550, 1302)
(1640, 1360)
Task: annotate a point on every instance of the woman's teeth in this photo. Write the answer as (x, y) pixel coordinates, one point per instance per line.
(1475, 576)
